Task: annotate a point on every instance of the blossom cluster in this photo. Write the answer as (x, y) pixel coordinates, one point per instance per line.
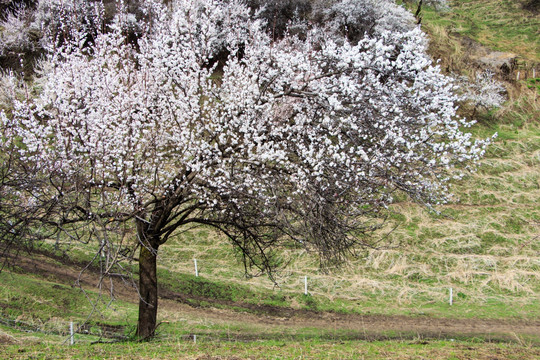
(484, 91)
(279, 123)
(355, 19)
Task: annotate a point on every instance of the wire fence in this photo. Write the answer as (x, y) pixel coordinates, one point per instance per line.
(70, 330)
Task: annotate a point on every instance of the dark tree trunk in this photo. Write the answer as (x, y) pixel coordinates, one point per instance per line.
(418, 15)
(148, 292)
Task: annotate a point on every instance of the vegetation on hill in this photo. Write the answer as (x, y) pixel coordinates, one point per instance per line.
(507, 26)
(484, 245)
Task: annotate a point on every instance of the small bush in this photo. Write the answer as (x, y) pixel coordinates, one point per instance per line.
(279, 13)
(356, 19)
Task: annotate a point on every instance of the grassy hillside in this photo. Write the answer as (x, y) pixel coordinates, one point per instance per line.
(484, 245)
(507, 26)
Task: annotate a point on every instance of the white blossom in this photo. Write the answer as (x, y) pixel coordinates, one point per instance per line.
(276, 129)
(484, 91)
(15, 31)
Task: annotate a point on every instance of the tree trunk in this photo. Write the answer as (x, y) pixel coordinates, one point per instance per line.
(148, 292)
(417, 15)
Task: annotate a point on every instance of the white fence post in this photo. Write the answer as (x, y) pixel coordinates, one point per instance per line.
(71, 334)
(305, 285)
(451, 300)
(196, 269)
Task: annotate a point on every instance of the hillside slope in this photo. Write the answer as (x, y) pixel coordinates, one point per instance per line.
(484, 245)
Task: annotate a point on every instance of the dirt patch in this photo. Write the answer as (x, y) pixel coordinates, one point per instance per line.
(6, 340)
(368, 327)
(483, 57)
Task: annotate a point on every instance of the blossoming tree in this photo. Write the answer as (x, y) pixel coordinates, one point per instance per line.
(302, 139)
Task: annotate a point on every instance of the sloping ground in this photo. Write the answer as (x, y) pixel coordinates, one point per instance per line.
(255, 321)
(484, 245)
(505, 26)
(360, 327)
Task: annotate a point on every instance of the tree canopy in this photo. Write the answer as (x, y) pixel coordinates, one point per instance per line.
(206, 118)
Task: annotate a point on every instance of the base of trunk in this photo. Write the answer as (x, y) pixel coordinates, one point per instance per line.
(148, 293)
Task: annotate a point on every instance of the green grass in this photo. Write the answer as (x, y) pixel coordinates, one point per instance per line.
(22, 295)
(499, 25)
(276, 349)
(34, 303)
(534, 83)
(199, 289)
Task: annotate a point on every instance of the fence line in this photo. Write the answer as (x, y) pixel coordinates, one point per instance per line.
(71, 329)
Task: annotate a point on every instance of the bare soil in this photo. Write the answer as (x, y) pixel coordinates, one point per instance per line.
(6, 340)
(371, 327)
(368, 327)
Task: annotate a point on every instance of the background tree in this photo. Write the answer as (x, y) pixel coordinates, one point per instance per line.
(278, 15)
(28, 28)
(438, 5)
(22, 210)
(358, 19)
(484, 92)
(304, 139)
